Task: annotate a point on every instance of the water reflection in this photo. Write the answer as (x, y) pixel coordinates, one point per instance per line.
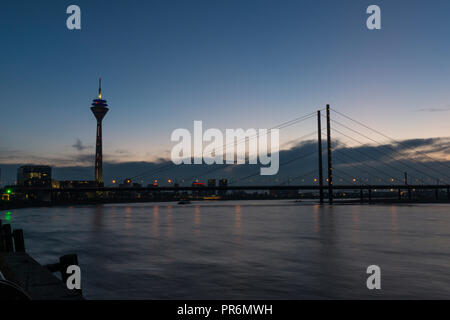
(98, 218)
(316, 209)
(328, 251)
(8, 215)
(238, 220)
(169, 222)
(355, 228)
(394, 224)
(197, 220)
(128, 213)
(155, 223)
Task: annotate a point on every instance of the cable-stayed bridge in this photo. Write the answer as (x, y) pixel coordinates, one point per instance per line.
(348, 155)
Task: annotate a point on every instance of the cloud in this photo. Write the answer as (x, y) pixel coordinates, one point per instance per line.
(84, 158)
(444, 109)
(421, 158)
(78, 145)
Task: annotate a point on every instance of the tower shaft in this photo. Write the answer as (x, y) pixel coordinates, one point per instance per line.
(99, 155)
(99, 109)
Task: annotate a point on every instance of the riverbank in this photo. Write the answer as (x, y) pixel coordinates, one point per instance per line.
(23, 278)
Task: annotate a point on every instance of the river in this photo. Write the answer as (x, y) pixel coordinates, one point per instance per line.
(246, 249)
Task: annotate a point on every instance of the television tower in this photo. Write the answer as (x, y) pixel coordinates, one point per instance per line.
(99, 109)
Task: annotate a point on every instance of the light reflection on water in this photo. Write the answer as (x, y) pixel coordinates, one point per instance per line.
(246, 250)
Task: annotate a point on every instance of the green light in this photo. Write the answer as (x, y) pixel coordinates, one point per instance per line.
(8, 213)
(8, 191)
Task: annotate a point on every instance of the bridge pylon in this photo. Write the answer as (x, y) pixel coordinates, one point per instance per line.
(330, 166)
(319, 142)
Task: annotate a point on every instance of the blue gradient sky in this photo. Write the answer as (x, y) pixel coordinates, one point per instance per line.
(247, 63)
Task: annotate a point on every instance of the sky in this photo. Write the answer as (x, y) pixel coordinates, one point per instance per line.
(231, 64)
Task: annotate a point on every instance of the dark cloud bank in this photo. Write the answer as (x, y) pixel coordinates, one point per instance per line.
(368, 163)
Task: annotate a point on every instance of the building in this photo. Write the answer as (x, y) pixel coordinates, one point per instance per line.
(212, 184)
(7, 194)
(127, 183)
(74, 184)
(34, 176)
(198, 190)
(198, 184)
(99, 109)
(223, 183)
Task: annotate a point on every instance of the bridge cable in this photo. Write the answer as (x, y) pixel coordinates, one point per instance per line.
(385, 154)
(398, 142)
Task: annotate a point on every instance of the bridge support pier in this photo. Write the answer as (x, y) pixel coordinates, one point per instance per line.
(361, 195)
(370, 195)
